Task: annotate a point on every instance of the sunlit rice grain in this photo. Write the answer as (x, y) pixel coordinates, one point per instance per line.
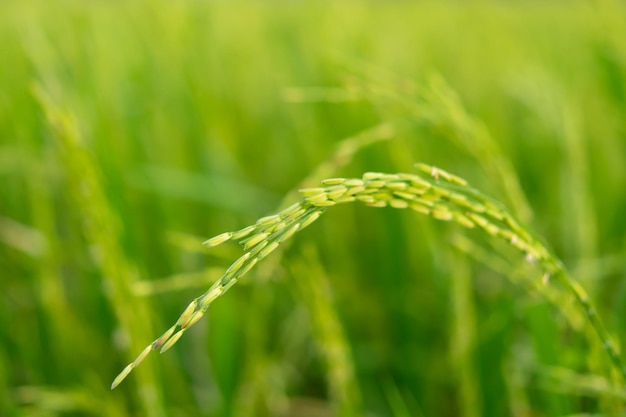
(442, 192)
(253, 240)
(415, 190)
(396, 186)
(440, 213)
(287, 212)
(420, 183)
(122, 375)
(425, 168)
(399, 204)
(333, 181)
(354, 183)
(145, 352)
(247, 267)
(365, 198)
(390, 177)
(310, 219)
(478, 219)
(355, 190)
(336, 192)
(495, 213)
(318, 198)
(217, 240)
(268, 220)
(382, 196)
(276, 228)
(193, 319)
(404, 195)
(420, 208)
(187, 313)
(258, 248)
(172, 340)
(463, 220)
(164, 337)
(375, 184)
(243, 232)
(372, 176)
(267, 250)
(295, 214)
(492, 229)
(308, 192)
(214, 292)
(237, 264)
(345, 199)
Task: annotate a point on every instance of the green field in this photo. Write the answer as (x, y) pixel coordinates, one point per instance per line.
(132, 131)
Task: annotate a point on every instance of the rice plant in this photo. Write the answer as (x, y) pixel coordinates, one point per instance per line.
(127, 128)
(432, 191)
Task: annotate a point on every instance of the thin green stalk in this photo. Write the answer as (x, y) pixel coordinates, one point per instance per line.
(464, 337)
(102, 232)
(315, 291)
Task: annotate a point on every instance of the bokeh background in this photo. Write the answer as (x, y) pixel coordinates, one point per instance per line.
(131, 131)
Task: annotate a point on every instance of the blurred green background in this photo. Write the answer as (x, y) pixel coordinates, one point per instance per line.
(130, 131)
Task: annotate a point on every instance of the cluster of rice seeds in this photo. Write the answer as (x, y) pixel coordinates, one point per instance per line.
(258, 241)
(440, 195)
(434, 192)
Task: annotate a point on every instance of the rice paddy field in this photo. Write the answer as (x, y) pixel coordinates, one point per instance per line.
(133, 131)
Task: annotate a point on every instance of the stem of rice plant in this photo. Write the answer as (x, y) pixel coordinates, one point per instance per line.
(431, 191)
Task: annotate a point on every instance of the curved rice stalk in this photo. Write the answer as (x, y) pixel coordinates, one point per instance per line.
(432, 191)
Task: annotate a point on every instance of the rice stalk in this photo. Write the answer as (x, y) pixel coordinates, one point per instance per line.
(464, 337)
(315, 292)
(102, 231)
(431, 191)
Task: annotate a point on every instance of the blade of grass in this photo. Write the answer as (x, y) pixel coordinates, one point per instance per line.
(102, 231)
(464, 337)
(314, 290)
